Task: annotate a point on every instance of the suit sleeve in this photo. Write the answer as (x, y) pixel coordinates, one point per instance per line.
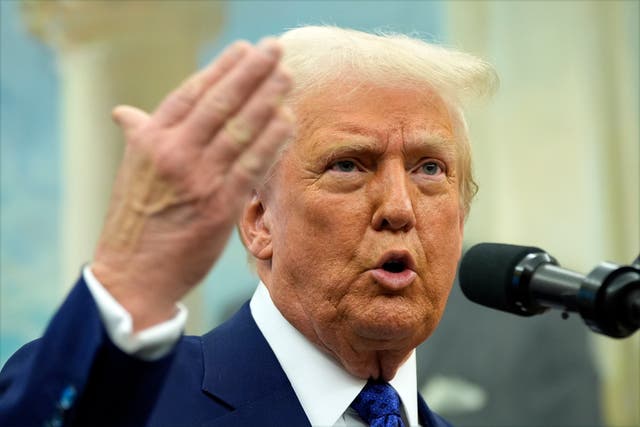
(75, 376)
(149, 344)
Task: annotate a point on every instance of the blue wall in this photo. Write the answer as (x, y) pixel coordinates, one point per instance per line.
(30, 184)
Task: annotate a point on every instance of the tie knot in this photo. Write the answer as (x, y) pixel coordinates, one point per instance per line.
(378, 404)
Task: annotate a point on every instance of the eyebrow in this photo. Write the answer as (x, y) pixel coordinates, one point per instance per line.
(425, 146)
(351, 148)
(350, 138)
(367, 138)
(435, 141)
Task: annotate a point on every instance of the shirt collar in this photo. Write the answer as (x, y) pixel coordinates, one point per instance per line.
(323, 387)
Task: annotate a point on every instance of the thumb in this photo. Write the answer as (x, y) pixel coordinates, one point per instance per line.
(129, 118)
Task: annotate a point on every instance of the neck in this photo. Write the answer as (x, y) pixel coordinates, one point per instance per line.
(361, 357)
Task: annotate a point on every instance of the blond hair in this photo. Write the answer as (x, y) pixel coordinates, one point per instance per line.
(319, 55)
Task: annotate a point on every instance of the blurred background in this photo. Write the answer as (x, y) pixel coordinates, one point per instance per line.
(556, 156)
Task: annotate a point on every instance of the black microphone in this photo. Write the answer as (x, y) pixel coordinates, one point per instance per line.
(526, 281)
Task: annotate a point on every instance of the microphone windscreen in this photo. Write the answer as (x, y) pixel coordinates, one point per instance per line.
(487, 271)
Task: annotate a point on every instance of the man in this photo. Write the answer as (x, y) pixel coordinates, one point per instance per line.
(356, 231)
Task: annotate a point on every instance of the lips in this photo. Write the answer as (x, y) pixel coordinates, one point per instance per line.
(395, 270)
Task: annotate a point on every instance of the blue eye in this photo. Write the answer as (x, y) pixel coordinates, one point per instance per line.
(431, 168)
(343, 166)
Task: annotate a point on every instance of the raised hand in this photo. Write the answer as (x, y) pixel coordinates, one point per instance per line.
(188, 168)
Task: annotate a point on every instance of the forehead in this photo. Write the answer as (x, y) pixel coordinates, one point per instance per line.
(367, 112)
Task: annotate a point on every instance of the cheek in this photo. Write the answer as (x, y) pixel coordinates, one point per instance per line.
(441, 238)
(439, 220)
(335, 220)
(321, 232)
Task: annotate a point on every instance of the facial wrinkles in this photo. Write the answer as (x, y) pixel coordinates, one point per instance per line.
(392, 195)
(443, 148)
(325, 289)
(389, 179)
(394, 149)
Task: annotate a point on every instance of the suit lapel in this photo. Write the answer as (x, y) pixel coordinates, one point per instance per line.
(241, 370)
(277, 409)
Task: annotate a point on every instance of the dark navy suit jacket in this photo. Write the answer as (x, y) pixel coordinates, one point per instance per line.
(74, 375)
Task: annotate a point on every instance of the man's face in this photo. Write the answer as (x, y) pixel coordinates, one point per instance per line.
(365, 223)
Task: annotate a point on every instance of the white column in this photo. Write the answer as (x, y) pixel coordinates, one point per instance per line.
(110, 53)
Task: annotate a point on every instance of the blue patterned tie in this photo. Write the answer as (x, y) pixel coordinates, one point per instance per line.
(378, 404)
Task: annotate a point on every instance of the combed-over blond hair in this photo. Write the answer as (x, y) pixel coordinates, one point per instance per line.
(317, 56)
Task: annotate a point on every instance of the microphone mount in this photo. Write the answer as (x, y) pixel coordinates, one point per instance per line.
(608, 298)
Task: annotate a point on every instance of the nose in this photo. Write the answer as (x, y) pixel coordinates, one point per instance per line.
(393, 206)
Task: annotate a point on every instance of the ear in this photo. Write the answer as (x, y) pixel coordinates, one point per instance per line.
(255, 229)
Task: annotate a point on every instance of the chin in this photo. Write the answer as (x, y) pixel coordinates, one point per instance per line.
(395, 327)
(388, 334)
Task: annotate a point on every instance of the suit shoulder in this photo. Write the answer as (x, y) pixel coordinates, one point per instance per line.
(16, 363)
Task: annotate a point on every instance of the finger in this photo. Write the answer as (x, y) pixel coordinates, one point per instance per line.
(240, 131)
(129, 118)
(252, 165)
(227, 96)
(179, 102)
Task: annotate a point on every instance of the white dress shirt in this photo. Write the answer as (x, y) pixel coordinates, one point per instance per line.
(149, 344)
(325, 390)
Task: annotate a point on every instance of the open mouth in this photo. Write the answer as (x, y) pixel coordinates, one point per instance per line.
(395, 270)
(396, 262)
(394, 266)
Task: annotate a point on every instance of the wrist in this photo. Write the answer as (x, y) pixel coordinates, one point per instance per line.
(137, 293)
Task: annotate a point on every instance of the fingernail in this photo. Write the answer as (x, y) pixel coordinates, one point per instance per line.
(239, 48)
(269, 45)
